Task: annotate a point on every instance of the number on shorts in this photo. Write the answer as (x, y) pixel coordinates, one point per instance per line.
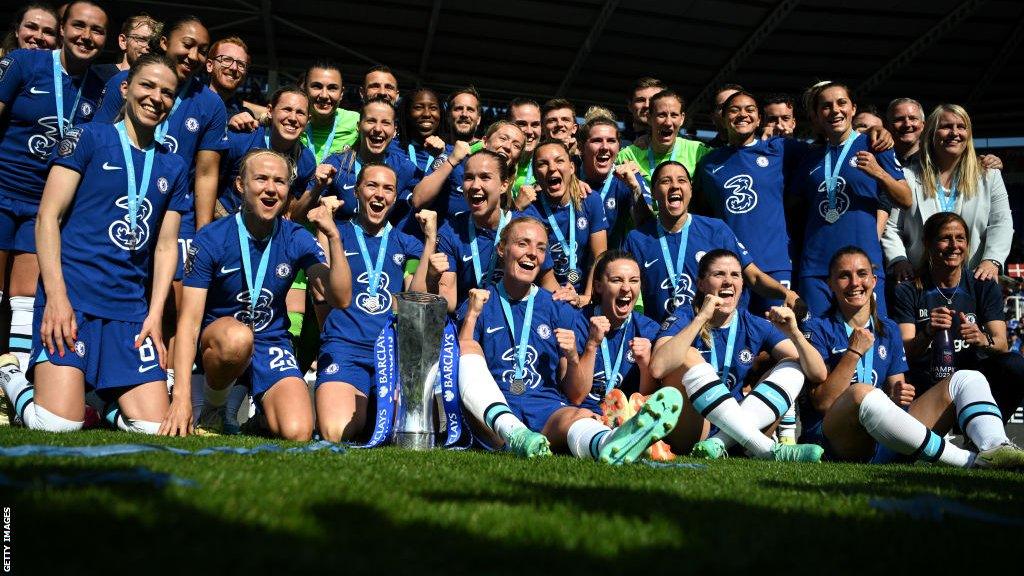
(281, 359)
(147, 352)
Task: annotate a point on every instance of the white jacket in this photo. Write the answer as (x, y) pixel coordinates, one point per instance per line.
(987, 215)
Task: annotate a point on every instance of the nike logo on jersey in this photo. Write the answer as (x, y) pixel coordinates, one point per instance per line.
(224, 270)
(35, 90)
(109, 166)
(649, 264)
(493, 329)
(143, 369)
(716, 169)
(347, 253)
(348, 186)
(838, 350)
(467, 258)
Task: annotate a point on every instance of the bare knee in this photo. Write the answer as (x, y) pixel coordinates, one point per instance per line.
(857, 392)
(296, 429)
(232, 344)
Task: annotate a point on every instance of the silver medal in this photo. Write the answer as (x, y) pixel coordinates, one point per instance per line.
(373, 303)
(832, 216)
(518, 386)
(573, 276)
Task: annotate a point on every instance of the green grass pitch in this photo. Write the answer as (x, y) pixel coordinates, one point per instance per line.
(397, 512)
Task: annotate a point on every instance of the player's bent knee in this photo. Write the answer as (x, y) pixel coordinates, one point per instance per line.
(295, 429)
(47, 421)
(857, 392)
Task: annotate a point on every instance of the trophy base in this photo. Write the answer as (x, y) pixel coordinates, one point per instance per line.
(414, 440)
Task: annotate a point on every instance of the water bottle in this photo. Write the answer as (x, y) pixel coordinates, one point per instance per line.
(942, 355)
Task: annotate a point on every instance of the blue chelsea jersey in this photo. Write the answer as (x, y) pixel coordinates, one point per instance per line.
(627, 378)
(590, 220)
(856, 200)
(105, 272)
(661, 297)
(616, 200)
(348, 167)
(215, 263)
(240, 144)
(29, 127)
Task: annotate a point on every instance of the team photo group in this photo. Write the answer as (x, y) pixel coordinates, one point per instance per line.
(177, 255)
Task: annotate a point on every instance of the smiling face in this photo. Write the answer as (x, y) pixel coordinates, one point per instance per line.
(507, 141)
(523, 251)
(780, 117)
(553, 169)
(425, 113)
(85, 32)
(865, 121)
(263, 185)
(136, 42)
(482, 184)
(717, 118)
(949, 250)
(324, 88)
(724, 278)
(376, 193)
(665, 118)
(618, 288)
(639, 104)
(951, 135)
(741, 118)
(600, 149)
(560, 124)
(188, 46)
(907, 123)
(380, 82)
(672, 190)
(852, 282)
(377, 127)
(37, 30)
(228, 67)
(465, 116)
(834, 112)
(527, 118)
(150, 94)
(289, 116)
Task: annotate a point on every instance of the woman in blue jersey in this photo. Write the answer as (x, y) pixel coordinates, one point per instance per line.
(34, 117)
(619, 187)
(467, 256)
(288, 116)
(376, 254)
(237, 276)
(865, 410)
(617, 342)
(442, 188)
(107, 234)
(338, 173)
(727, 339)
(841, 183)
(671, 245)
(419, 130)
(519, 356)
(33, 27)
(577, 225)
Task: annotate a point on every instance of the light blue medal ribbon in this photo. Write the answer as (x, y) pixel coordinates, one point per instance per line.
(866, 364)
(474, 249)
(611, 371)
(832, 176)
(373, 272)
(255, 285)
(730, 344)
(946, 203)
(412, 158)
(529, 175)
(330, 138)
(650, 156)
(675, 271)
(163, 127)
(520, 343)
(570, 246)
(607, 185)
(58, 94)
(136, 193)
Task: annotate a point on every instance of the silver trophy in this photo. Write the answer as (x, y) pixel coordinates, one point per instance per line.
(421, 321)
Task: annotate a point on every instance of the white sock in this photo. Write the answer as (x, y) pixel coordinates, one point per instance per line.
(122, 422)
(976, 410)
(713, 401)
(482, 397)
(586, 437)
(20, 342)
(902, 433)
(38, 418)
(787, 425)
(771, 399)
(19, 391)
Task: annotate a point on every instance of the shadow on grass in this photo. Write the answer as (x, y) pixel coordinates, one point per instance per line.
(87, 530)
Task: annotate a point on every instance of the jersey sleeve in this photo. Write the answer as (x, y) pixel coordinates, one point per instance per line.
(110, 107)
(771, 336)
(595, 213)
(675, 323)
(570, 318)
(12, 77)
(76, 150)
(899, 358)
(446, 244)
(201, 262)
(815, 332)
(990, 302)
(728, 239)
(308, 250)
(903, 307)
(181, 195)
(887, 160)
(215, 137)
(412, 246)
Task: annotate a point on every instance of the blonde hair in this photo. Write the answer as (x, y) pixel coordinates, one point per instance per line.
(967, 171)
(598, 112)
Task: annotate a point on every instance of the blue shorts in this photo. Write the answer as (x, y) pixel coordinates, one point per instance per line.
(340, 363)
(759, 305)
(816, 293)
(881, 455)
(105, 353)
(17, 225)
(272, 361)
(536, 406)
